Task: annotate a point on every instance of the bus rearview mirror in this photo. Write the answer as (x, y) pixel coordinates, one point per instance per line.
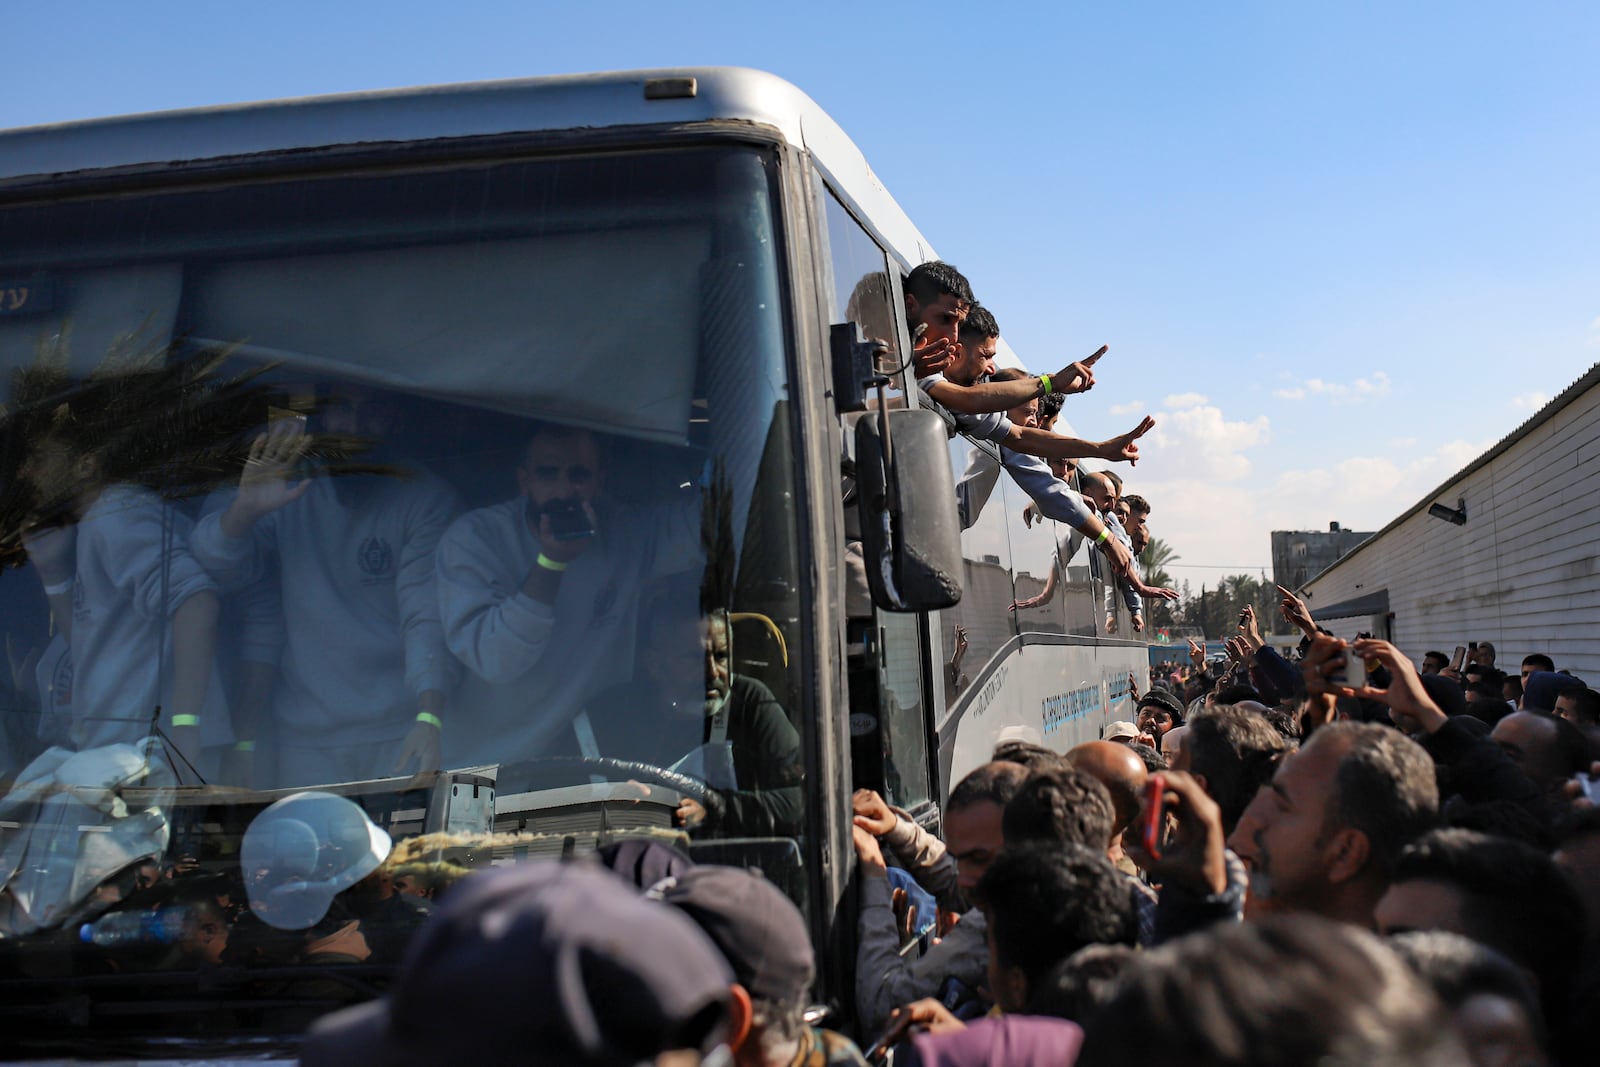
(910, 532)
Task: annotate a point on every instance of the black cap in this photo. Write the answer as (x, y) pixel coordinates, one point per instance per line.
(759, 930)
(543, 962)
(1163, 699)
(643, 861)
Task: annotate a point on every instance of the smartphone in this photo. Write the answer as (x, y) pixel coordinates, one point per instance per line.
(1153, 816)
(1353, 673)
(1460, 654)
(568, 520)
(1591, 787)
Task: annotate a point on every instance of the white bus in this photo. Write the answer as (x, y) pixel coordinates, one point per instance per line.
(548, 398)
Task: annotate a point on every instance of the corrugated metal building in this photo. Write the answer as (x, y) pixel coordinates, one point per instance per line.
(1519, 571)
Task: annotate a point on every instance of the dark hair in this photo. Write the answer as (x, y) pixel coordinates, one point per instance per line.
(1287, 725)
(1287, 991)
(1234, 694)
(1515, 898)
(1445, 692)
(996, 783)
(1539, 661)
(1050, 405)
(1459, 968)
(1440, 656)
(1083, 983)
(1236, 749)
(1115, 479)
(1153, 760)
(1026, 754)
(1572, 747)
(1585, 703)
(979, 324)
(1487, 690)
(927, 282)
(1137, 504)
(1060, 805)
(1386, 788)
(1045, 903)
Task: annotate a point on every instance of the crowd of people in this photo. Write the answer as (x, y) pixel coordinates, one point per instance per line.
(1363, 873)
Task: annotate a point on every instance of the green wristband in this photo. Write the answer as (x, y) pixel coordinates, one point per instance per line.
(186, 720)
(550, 564)
(431, 719)
(1044, 380)
(1105, 532)
(244, 746)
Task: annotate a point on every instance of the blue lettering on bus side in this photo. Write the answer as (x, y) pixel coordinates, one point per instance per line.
(1063, 709)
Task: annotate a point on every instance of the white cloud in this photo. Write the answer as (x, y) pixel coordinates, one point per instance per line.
(1229, 523)
(1530, 401)
(1199, 443)
(1183, 400)
(1133, 407)
(1338, 392)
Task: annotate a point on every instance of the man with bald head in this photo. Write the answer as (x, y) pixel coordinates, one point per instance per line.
(1547, 749)
(1123, 774)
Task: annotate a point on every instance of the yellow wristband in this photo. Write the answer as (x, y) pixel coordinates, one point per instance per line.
(244, 746)
(431, 719)
(1105, 532)
(1044, 380)
(550, 564)
(186, 720)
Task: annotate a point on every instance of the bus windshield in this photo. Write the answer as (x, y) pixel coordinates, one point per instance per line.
(312, 483)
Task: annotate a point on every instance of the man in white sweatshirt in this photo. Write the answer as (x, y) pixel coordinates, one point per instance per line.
(364, 675)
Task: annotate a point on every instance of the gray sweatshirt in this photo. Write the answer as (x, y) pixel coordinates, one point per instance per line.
(361, 632)
(134, 570)
(533, 665)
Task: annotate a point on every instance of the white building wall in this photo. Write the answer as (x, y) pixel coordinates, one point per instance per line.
(1521, 573)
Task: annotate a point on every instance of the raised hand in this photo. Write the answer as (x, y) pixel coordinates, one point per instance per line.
(1077, 377)
(1193, 853)
(1295, 612)
(1248, 628)
(1197, 654)
(932, 356)
(1125, 448)
(872, 813)
(1409, 704)
(264, 485)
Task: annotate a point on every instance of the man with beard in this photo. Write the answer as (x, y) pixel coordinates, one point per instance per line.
(540, 599)
(687, 711)
(364, 672)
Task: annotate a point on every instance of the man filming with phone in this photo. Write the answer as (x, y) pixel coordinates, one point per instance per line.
(540, 595)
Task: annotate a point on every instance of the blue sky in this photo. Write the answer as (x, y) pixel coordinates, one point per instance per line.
(1336, 248)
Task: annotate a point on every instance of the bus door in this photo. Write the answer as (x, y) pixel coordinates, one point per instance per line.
(887, 677)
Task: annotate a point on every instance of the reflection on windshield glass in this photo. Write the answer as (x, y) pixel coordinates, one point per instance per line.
(485, 473)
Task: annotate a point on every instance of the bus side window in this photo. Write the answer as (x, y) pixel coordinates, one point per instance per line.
(976, 632)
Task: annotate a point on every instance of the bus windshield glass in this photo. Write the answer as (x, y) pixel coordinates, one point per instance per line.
(316, 482)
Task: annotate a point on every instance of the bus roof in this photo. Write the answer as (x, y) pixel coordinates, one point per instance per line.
(35, 156)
